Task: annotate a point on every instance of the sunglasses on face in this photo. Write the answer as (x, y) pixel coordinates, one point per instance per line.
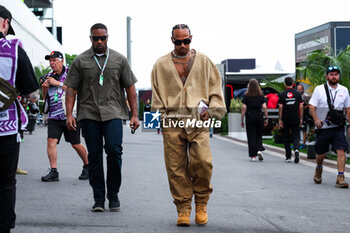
(185, 41)
(96, 38)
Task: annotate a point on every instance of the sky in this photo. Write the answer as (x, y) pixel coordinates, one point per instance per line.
(222, 29)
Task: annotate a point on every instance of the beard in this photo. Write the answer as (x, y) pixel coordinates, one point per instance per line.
(99, 49)
(182, 51)
(333, 81)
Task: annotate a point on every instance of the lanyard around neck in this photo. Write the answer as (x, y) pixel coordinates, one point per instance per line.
(104, 65)
(335, 95)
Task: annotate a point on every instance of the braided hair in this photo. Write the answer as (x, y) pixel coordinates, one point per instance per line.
(180, 26)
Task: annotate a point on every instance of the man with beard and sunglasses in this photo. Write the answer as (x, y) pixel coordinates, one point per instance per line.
(329, 131)
(181, 80)
(101, 76)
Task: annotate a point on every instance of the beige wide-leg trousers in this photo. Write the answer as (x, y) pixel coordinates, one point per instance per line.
(189, 166)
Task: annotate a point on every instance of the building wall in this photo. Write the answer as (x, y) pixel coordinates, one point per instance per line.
(36, 39)
(336, 34)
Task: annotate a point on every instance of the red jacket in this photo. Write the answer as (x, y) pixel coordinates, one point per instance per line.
(272, 100)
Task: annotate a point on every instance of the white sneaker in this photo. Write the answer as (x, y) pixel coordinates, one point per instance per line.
(288, 160)
(253, 159)
(260, 156)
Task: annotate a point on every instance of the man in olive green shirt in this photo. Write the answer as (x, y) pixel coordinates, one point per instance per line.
(99, 76)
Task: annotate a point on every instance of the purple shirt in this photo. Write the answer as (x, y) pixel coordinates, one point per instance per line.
(54, 95)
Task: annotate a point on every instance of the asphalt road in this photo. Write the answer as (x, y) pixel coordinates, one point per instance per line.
(269, 196)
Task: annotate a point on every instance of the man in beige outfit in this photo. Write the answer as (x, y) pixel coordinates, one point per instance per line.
(180, 81)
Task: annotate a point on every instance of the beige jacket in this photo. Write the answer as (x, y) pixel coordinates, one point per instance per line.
(175, 100)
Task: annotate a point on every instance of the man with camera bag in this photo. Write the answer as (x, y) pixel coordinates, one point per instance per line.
(327, 106)
(53, 90)
(17, 70)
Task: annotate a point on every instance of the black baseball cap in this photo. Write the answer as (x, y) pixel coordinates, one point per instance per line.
(6, 14)
(332, 69)
(54, 54)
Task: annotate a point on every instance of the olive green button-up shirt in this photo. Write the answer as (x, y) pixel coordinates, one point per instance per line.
(96, 102)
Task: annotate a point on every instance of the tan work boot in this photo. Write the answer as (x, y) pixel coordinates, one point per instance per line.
(183, 219)
(341, 182)
(201, 214)
(318, 175)
(20, 171)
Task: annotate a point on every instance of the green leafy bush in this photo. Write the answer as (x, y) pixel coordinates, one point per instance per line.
(224, 126)
(235, 105)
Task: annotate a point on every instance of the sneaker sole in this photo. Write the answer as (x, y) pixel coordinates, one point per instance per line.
(52, 180)
(115, 209)
(261, 158)
(98, 209)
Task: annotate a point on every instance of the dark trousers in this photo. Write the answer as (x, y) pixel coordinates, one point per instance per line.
(291, 133)
(9, 151)
(112, 132)
(254, 127)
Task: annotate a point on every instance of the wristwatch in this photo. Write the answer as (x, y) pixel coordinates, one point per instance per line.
(61, 84)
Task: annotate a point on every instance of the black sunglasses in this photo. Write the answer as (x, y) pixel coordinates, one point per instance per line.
(185, 41)
(96, 38)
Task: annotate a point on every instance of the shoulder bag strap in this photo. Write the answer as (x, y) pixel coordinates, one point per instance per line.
(328, 97)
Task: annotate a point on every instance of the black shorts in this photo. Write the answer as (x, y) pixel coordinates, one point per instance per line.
(57, 127)
(332, 136)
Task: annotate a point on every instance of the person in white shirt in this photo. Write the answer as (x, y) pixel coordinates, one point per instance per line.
(329, 130)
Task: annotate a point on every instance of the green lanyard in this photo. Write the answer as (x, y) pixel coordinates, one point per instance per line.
(55, 97)
(103, 68)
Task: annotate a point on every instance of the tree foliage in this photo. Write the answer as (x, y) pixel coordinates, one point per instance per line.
(313, 70)
(235, 105)
(41, 71)
(70, 59)
(271, 82)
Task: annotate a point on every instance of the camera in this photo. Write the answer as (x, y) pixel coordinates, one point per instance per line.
(43, 79)
(33, 109)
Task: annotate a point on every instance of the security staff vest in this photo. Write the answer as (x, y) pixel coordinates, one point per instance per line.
(54, 95)
(8, 63)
